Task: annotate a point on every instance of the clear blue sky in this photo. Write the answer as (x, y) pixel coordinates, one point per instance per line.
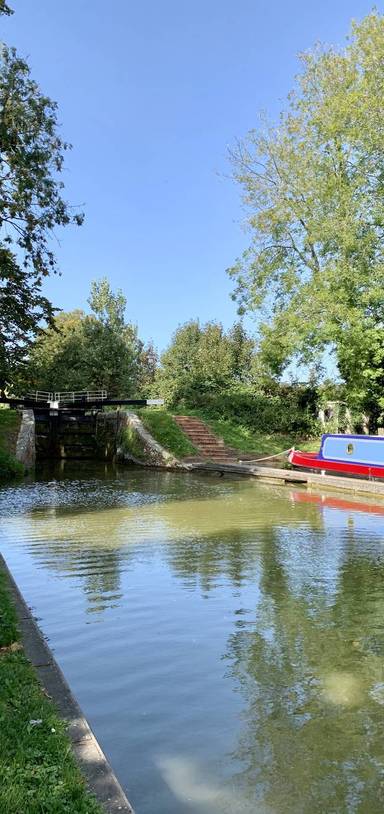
(150, 94)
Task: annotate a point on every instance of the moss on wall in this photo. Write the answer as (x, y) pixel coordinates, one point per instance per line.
(131, 444)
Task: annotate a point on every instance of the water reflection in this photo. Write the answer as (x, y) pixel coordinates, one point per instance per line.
(239, 660)
(309, 672)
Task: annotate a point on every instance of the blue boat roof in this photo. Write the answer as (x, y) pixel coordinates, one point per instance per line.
(357, 449)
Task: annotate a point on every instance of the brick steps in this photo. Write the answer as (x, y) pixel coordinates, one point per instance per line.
(206, 442)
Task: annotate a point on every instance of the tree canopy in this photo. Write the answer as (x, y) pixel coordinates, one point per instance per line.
(313, 185)
(31, 204)
(5, 8)
(88, 351)
(204, 359)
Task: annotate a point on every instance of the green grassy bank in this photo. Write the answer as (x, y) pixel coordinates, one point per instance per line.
(38, 773)
(247, 440)
(166, 432)
(9, 429)
(164, 429)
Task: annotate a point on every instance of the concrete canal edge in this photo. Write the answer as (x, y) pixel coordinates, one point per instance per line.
(292, 476)
(159, 458)
(100, 778)
(155, 454)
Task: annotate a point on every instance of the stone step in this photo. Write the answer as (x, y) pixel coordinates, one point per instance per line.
(210, 448)
(206, 442)
(206, 439)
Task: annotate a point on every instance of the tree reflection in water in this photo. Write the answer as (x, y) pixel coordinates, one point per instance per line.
(305, 654)
(312, 729)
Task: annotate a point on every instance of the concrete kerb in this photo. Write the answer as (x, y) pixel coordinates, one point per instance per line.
(101, 780)
(291, 476)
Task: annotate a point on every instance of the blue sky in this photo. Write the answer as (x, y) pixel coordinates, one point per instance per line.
(151, 94)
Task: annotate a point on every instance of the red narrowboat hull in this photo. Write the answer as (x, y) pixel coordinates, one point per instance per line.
(311, 460)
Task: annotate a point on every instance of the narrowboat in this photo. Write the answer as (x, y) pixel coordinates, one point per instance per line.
(361, 455)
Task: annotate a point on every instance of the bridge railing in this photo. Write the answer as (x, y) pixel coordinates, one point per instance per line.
(39, 395)
(71, 396)
(81, 395)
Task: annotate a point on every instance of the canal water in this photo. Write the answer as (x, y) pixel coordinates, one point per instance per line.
(224, 638)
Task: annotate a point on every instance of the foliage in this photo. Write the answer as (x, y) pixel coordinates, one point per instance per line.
(31, 159)
(22, 307)
(242, 355)
(57, 356)
(164, 429)
(247, 439)
(9, 427)
(203, 360)
(147, 370)
(97, 351)
(108, 307)
(9, 631)
(9, 466)
(289, 412)
(5, 8)
(314, 187)
(37, 770)
(222, 374)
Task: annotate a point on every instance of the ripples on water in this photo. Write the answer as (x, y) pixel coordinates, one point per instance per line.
(225, 638)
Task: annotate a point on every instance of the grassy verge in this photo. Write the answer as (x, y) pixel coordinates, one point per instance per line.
(164, 429)
(38, 774)
(9, 428)
(245, 439)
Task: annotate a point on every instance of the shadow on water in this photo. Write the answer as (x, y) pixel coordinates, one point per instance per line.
(288, 596)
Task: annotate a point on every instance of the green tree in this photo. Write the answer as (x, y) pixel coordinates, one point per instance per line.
(242, 353)
(203, 360)
(148, 366)
(88, 351)
(31, 204)
(108, 307)
(314, 187)
(56, 358)
(113, 347)
(178, 374)
(22, 307)
(5, 8)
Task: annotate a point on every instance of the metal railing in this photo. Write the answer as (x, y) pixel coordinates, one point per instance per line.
(71, 396)
(39, 395)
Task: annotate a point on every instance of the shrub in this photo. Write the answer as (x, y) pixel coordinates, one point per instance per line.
(292, 411)
(9, 466)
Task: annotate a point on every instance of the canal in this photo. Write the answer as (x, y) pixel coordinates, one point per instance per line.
(225, 638)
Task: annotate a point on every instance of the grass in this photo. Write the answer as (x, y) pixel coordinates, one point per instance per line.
(164, 429)
(247, 440)
(38, 773)
(9, 428)
(9, 631)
